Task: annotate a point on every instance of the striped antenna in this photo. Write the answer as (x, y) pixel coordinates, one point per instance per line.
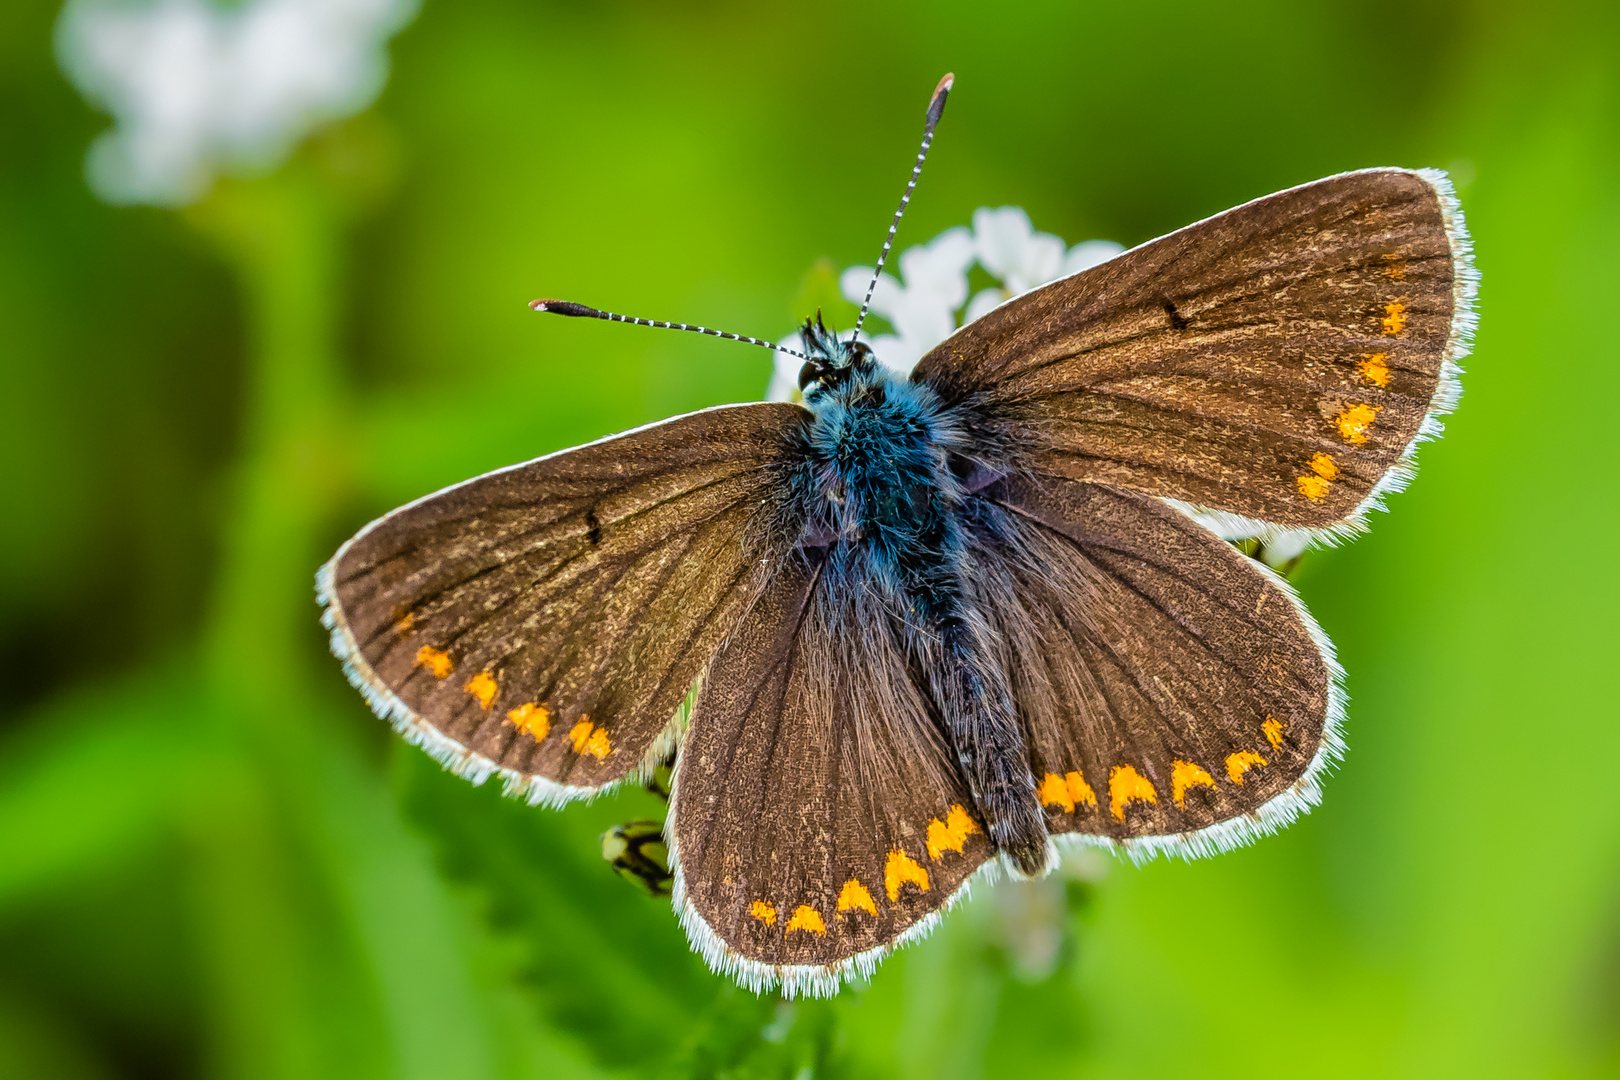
(580, 311)
(936, 109)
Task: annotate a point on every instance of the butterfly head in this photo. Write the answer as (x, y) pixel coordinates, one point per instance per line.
(831, 363)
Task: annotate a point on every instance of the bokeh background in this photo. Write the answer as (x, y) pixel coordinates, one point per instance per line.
(215, 862)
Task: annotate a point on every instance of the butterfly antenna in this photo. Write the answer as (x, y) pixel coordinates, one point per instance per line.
(580, 311)
(936, 109)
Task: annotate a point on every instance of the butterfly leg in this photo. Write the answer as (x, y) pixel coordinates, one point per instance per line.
(637, 853)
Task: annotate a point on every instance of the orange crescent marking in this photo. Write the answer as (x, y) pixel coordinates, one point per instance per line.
(808, 918)
(1353, 424)
(902, 869)
(1313, 487)
(598, 744)
(532, 718)
(1054, 792)
(1183, 775)
(483, 687)
(1316, 487)
(950, 834)
(1241, 762)
(854, 897)
(435, 661)
(580, 733)
(1375, 369)
(1125, 786)
(1079, 790)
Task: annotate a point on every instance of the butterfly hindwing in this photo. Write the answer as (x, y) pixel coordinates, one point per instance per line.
(1277, 361)
(546, 621)
(1174, 694)
(817, 817)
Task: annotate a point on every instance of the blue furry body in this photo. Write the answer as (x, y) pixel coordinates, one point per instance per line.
(882, 486)
(896, 519)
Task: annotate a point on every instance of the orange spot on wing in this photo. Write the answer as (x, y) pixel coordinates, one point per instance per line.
(1354, 422)
(532, 718)
(1184, 775)
(1316, 484)
(1273, 729)
(902, 869)
(1394, 319)
(1125, 786)
(1068, 791)
(580, 734)
(1313, 487)
(403, 626)
(435, 661)
(482, 686)
(590, 740)
(1394, 267)
(950, 834)
(1375, 369)
(1054, 792)
(764, 912)
(808, 918)
(854, 897)
(1241, 762)
(598, 744)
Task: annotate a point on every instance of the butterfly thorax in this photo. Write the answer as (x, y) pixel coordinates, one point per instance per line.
(881, 487)
(894, 518)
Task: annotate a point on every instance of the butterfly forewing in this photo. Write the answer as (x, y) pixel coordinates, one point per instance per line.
(817, 814)
(1277, 361)
(1166, 683)
(548, 620)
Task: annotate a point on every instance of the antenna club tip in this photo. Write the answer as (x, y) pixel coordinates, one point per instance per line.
(564, 307)
(936, 104)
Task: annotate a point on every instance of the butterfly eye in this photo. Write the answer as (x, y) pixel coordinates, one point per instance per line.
(809, 374)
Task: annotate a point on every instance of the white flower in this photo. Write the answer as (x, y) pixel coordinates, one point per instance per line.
(923, 310)
(1010, 249)
(1013, 252)
(1084, 256)
(983, 303)
(197, 88)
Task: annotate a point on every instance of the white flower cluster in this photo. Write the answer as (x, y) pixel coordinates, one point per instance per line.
(925, 305)
(198, 88)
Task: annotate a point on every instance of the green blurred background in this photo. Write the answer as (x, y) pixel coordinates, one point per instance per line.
(215, 862)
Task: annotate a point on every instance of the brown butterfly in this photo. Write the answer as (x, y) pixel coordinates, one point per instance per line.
(921, 628)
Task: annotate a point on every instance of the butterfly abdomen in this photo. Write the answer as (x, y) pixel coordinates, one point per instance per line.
(976, 703)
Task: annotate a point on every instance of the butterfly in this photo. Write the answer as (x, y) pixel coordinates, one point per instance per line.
(921, 628)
